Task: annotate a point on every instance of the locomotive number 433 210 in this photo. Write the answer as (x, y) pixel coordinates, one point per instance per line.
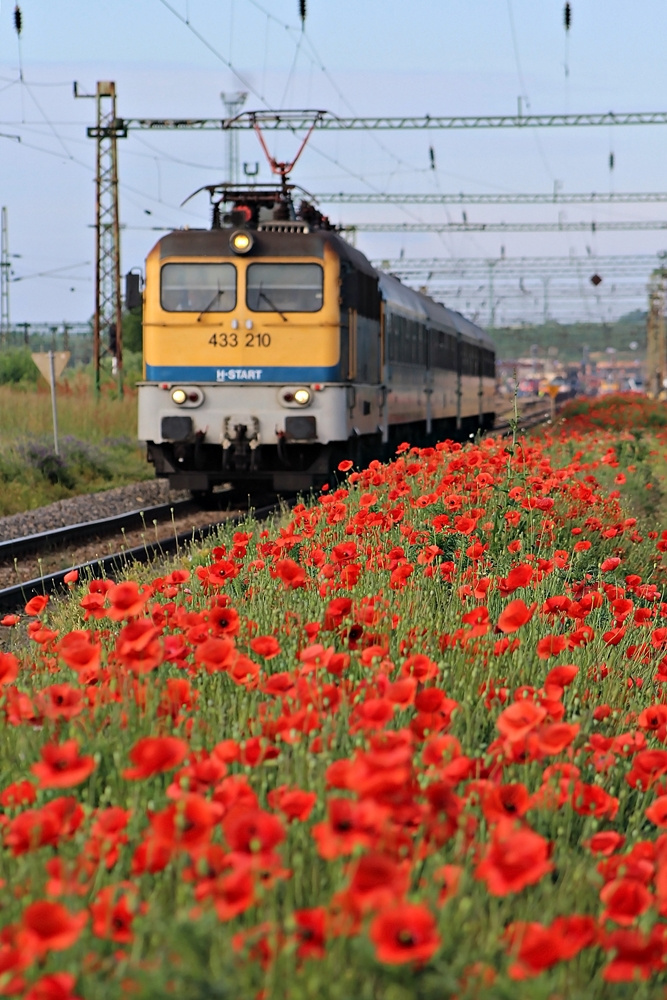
(232, 339)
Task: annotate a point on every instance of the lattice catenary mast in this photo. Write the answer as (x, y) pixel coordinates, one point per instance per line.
(107, 324)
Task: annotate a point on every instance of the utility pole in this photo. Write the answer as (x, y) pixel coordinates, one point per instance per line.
(656, 347)
(233, 104)
(492, 305)
(4, 278)
(107, 324)
(545, 305)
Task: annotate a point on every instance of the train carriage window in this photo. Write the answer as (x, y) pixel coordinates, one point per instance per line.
(284, 287)
(198, 287)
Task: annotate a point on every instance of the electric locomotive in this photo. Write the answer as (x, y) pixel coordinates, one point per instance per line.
(273, 349)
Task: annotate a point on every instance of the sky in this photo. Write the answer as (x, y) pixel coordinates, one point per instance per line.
(174, 58)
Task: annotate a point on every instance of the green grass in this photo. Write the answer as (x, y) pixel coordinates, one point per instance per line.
(97, 437)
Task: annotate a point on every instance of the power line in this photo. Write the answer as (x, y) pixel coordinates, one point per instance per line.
(608, 260)
(202, 38)
(505, 227)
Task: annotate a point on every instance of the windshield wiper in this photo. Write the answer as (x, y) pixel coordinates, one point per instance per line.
(219, 292)
(263, 295)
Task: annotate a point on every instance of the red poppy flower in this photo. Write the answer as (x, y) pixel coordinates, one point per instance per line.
(252, 830)
(519, 576)
(635, 955)
(153, 755)
(538, 948)
(9, 668)
(48, 927)
(215, 655)
(233, 894)
(345, 465)
(561, 676)
(605, 843)
(266, 646)
(19, 793)
(79, 651)
(311, 930)
(61, 765)
(447, 876)
(60, 701)
(625, 900)
(513, 859)
(592, 800)
(188, 823)
(519, 718)
(293, 802)
(535, 947)
(657, 811)
(551, 645)
(406, 933)
(291, 574)
(36, 605)
(56, 986)
(138, 646)
(126, 600)
(503, 801)
(514, 615)
(554, 738)
(349, 825)
(113, 916)
(377, 881)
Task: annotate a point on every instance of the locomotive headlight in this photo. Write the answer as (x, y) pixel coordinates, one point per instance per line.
(179, 396)
(294, 397)
(241, 241)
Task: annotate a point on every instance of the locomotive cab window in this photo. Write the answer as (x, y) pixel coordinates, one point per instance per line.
(284, 287)
(198, 287)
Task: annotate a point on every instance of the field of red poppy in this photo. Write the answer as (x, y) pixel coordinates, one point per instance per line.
(408, 742)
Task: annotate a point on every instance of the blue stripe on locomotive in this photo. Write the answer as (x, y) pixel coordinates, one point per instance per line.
(227, 375)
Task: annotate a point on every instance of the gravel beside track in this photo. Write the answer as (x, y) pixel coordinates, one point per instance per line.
(89, 507)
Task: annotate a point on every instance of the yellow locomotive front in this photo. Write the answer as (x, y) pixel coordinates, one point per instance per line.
(242, 356)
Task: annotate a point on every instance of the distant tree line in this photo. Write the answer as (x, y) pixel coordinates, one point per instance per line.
(567, 341)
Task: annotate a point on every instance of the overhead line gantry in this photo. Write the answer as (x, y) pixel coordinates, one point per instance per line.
(436, 198)
(111, 127)
(505, 227)
(292, 121)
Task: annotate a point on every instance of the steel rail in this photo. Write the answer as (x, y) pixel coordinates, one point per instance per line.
(12, 598)
(131, 520)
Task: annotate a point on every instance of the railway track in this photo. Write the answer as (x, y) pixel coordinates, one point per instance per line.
(143, 522)
(112, 564)
(533, 412)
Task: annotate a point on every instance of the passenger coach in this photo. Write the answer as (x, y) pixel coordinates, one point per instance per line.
(273, 349)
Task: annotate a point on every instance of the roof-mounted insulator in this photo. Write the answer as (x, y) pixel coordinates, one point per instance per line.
(18, 19)
(567, 16)
(302, 11)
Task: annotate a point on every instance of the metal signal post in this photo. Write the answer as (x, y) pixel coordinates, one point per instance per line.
(4, 277)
